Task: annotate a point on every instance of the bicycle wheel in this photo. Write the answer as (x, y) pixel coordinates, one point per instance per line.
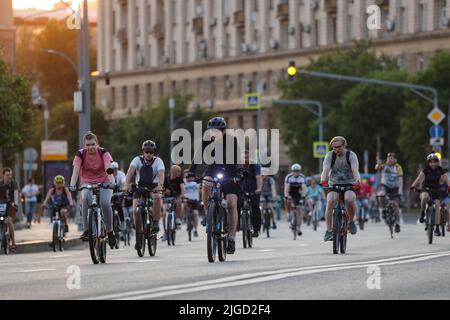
(55, 237)
(222, 234)
(337, 222)
(244, 229)
(94, 239)
(61, 241)
(390, 220)
(151, 239)
(116, 228)
(343, 236)
(430, 224)
(294, 224)
(169, 229)
(315, 221)
(190, 226)
(211, 240)
(5, 240)
(174, 232)
(267, 223)
(140, 233)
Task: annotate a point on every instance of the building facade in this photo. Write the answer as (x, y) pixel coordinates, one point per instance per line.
(218, 50)
(6, 31)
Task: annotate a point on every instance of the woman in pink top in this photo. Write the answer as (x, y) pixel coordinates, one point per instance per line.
(90, 165)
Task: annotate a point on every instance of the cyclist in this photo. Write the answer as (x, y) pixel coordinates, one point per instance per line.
(60, 195)
(90, 165)
(314, 193)
(230, 170)
(363, 194)
(391, 184)
(252, 184)
(119, 178)
(149, 170)
(192, 194)
(340, 168)
(432, 177)
(9, 193)
(294, 191)
(268, 193)
(174, 187)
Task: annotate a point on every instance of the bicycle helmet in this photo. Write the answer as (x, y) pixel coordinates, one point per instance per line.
(59, 179)
(149, 145)
(114, 165)
(190, 175)
(432, 157)
(296, 167)
(217, 123)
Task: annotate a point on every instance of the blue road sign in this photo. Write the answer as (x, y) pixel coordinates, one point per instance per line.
(436, 131)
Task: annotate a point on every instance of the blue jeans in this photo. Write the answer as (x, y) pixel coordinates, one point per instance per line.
(30, 207)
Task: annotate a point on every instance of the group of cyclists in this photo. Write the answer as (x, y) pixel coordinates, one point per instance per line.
(94, 164)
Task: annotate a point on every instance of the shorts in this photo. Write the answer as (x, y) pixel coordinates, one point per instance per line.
(388, 190)
(266, 197)
(193, 204)
(231, 188)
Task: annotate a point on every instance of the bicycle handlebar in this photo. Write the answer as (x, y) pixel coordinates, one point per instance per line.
(97, 186)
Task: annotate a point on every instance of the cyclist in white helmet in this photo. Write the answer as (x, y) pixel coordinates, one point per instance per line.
(294, 191)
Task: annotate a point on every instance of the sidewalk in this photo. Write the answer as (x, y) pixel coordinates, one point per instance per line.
(39, 236)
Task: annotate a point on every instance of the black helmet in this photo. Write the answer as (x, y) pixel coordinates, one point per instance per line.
(217, 123)
(149, 145)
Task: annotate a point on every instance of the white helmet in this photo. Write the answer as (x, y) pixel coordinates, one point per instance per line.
(296, 167)
(114, 165)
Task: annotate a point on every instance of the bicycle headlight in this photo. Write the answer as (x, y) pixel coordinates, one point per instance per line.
(2, 218)
(219, 176)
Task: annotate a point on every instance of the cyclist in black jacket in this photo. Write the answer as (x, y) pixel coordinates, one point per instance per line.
(230, 170)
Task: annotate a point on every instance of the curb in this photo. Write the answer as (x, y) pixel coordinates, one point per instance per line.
(43, 246)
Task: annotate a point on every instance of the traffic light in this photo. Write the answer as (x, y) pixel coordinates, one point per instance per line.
(292, 70)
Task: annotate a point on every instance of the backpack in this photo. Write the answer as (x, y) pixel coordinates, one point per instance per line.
(146, 174)
(347, 156)
(83, 152)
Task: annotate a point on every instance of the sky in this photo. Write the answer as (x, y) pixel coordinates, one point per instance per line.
(41, 4)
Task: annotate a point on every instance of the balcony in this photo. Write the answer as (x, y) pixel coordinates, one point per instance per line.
(158, 30)
(197, 25)
(122, 36)
(283, 11)
(239, 19)
(331, 6)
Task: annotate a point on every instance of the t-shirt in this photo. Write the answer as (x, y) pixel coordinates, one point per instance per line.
(174, 185)
(295, 184)
(432, 177)
(314, 193)
(30, 192)
(364, 191)
(268, 182)
(7, 191)
(249, 183)
(390, 175)
(120, 179)
(158, 165)
(93, 169)
(341, 173)
(192, 190)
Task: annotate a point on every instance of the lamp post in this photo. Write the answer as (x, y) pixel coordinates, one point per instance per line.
(171, 108)
(61, 126)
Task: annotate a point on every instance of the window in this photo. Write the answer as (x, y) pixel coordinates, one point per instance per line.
(198, 88)
(226, 8)
(240, 122)
(240, 84)
(136, 96)
(316, 33)
(212, 88)
(148, 90)
(440, 8)
(124, 98)
(422, 18)
(226, 48)
(161, 90)
(226, 88)
(402, 20)
(113, 99)
(255, 121)
(186, 87)
(113, 22)
(349, 27)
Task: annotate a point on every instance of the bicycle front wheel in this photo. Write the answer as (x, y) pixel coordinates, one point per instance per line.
(94, 238)
(430, 224)
(151, 240)
(55, 237)
(336, 230)
(244, 230)
(211, 240)
(222, 234)
(140, 233)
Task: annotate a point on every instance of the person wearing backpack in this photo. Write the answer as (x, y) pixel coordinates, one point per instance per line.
(90, 166)
(149, 170)
(340, 168)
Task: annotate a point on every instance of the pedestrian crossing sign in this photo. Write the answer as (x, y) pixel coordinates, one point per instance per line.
(253, 101)
(320, 149)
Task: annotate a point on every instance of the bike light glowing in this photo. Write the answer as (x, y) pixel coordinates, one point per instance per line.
(2, 218)
(219, 176)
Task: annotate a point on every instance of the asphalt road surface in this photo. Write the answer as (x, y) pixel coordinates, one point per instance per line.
(375, 267)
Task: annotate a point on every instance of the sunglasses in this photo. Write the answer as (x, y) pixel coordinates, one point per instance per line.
(149, 151)
(337, 147)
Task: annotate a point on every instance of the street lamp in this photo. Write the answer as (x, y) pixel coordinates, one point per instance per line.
(63, 55)
(61, 126)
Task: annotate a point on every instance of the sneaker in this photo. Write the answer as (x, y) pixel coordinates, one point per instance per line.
(299, 233)
(112, 239)
(397, 228)
(85, 236)
(178, 223)
(328, 236)
(437, 231)
(274, 225)
(255, 234)
(231, 246)
(422, 217)
(164, 237)
(203, 223)
(195, 234)
(322, 219)
(352, 227)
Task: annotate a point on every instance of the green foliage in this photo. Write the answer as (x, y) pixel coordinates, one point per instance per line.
(16, 112)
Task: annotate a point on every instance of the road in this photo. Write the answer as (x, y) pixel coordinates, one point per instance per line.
(276, 268)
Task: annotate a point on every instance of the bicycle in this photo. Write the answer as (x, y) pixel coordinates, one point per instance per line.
(169, 220)
(341, 219)
(430, 211)
(5, 238)
(389, 217)
(362, 214)
(58, 229)
(216, 221)
(314, 214)
(295, 205)
(246, 221)
(117, 200)
(190, 216)
(144, 221)
(267, 216)
(97, 234)
(444, 214)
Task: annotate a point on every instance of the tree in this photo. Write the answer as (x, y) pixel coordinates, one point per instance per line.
(16, 114)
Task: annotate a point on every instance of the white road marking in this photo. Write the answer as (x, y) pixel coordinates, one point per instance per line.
(303, 245)
(266, 250)
(250, 278)
(62, 256)
(35, 270)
